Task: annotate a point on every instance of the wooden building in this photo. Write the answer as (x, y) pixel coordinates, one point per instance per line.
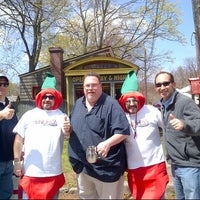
(69, 74)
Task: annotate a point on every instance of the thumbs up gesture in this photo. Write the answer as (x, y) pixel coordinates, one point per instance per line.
(7, 112)
(66, 126)
(175, 123)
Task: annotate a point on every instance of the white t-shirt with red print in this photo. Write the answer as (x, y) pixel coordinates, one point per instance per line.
(144, 146)
(43, 141)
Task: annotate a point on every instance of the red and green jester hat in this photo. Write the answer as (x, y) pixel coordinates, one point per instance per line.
(130, 90)
(49, 87)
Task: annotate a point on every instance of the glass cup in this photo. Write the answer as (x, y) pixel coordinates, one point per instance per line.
(91, 154)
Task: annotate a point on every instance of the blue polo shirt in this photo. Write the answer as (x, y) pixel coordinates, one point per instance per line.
(104, 120)
(6, 135)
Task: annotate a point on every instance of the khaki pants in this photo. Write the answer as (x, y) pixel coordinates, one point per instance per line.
(91, 188)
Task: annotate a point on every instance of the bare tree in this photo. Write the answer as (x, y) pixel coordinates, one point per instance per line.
(27, 21)
(188, 70)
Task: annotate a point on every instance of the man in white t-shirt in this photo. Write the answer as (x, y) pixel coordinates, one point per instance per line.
(147, 174)
(39, 136)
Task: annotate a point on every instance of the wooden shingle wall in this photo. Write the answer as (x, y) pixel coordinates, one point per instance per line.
(31, 81)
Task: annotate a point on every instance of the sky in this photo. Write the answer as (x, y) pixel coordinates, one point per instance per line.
(181, 52)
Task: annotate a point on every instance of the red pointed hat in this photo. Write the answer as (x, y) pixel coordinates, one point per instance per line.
(49, 87)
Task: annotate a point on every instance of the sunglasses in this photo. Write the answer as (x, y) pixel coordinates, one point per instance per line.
(51, 97)
(4, 84)
(164, 84)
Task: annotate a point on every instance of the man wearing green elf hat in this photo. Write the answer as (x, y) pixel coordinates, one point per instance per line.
(39, 136)
(147, 175)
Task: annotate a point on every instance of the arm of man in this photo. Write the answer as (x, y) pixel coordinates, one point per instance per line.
(104, 147)
(17, 148)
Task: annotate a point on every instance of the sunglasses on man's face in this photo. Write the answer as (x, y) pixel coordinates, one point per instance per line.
(164, 84)
(4, 84)
(51, 97)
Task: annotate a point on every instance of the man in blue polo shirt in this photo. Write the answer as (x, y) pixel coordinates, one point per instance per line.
(98, 120)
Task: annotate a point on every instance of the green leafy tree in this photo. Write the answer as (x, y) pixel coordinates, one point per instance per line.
(131, 28)
(128, 28)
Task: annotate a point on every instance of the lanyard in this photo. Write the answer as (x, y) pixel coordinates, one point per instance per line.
(133, 125)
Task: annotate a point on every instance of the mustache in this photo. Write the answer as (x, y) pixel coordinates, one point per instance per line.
(133, 106)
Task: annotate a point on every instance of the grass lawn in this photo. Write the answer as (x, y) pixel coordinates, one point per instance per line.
(70, 176)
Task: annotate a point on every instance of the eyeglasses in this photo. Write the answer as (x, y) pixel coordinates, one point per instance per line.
(88, 86)
(4, 84)
(128, 102)
(164, 84)
(51, 97)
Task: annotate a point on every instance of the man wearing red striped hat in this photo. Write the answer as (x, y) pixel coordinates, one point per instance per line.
(39, 135)
(147, 175)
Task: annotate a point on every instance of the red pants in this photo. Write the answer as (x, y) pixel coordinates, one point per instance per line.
(42, 187)
(148, 182)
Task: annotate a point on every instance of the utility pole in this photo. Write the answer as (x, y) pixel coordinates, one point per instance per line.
(145, 73)
(195, 83)
(196, 15)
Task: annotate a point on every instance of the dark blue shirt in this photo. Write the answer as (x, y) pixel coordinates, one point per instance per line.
(7, 136)
(104, 120)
